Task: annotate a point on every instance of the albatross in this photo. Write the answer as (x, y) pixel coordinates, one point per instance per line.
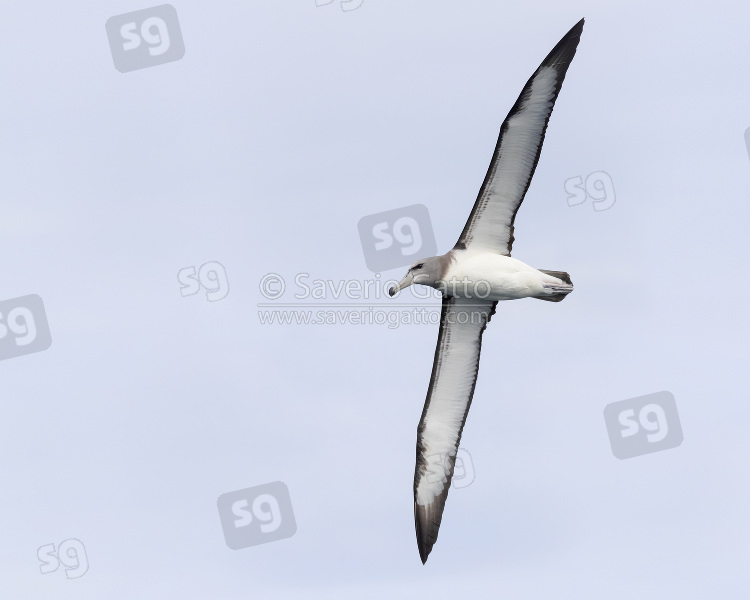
(473, 277)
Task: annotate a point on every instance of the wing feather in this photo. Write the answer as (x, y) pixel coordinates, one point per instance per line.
(491, 222)
(454, 376)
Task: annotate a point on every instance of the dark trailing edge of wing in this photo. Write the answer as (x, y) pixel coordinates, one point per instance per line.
(560, 57)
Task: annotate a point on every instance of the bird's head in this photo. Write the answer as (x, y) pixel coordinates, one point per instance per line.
(427, 271)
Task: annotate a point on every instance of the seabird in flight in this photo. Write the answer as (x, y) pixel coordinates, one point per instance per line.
(472, 277)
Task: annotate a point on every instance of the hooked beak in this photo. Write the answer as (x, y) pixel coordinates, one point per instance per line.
(404, 283)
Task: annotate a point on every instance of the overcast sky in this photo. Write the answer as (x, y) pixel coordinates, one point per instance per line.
(261, 149)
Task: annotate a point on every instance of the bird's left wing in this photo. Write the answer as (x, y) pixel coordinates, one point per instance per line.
(454, 375)
(490, 225)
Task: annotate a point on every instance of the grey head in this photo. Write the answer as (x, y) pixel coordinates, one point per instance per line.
(426, 271)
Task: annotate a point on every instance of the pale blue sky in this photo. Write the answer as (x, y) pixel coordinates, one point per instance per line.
(281, 127)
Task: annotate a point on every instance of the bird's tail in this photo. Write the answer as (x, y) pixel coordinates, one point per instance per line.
(555, 291)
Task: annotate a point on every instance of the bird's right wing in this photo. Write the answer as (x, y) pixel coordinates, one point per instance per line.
(490, 225)
(454, 375)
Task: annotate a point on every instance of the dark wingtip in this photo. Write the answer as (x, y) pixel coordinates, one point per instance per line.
(562, 54)
(577, 28)
(426, 535)
(424, 549)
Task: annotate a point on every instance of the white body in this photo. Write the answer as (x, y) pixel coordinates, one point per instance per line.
(491, 276)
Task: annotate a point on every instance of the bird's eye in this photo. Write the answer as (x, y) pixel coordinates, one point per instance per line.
(419, 266)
